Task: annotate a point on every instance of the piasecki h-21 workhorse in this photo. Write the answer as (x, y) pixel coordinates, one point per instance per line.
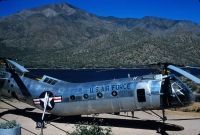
(148, 92)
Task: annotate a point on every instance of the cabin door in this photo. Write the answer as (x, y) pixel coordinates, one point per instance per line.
(142, 97)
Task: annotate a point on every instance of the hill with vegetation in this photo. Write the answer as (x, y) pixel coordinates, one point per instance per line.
(63, 36)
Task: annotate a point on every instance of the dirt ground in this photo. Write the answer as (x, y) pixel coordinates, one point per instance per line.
(143, 123)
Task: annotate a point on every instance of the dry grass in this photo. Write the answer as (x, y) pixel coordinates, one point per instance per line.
(195, 107)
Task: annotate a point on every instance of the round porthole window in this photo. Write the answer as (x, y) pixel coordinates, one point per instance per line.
(72, 97)
(99, 95)
(114, 93)
(85, 96)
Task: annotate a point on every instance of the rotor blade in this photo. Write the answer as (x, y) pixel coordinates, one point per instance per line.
(17, 66)
(17, 78)
(184, 73)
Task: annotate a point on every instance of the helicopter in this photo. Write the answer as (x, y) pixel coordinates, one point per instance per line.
(148, 92)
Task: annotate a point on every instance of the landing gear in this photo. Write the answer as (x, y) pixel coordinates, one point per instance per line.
(164, 118)
(132, 113)
(40, 124)
(162, 129)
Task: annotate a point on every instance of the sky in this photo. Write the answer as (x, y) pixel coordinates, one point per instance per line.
(171, 9)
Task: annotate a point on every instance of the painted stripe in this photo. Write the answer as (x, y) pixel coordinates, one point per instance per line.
(56, 98)
(35, 100)
(36, 103)
(57, 101)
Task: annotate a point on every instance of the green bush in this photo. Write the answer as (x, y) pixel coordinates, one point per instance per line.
(9, 124)
(92, 129)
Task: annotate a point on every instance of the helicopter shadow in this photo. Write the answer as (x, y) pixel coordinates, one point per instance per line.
(113, 122)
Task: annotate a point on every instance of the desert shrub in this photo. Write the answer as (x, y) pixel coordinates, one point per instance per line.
(92, 129)
(198, 110)
(9, 124)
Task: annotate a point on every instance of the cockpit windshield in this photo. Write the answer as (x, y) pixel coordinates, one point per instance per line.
(176, 89)
(180, 94)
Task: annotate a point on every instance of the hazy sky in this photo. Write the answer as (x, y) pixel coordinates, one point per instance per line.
(174, 9)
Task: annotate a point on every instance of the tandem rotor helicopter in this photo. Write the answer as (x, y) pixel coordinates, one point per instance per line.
(148, 92)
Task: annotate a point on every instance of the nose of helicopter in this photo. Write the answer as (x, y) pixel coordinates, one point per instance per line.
(189, 99)
(181, 94)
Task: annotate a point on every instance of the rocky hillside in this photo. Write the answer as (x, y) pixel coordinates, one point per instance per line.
(64, 36)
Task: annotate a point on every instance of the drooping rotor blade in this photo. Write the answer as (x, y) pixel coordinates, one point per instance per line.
(17, 66)
(16, 77)
(184, 73)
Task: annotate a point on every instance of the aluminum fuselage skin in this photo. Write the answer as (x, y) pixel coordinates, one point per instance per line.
(117, 95)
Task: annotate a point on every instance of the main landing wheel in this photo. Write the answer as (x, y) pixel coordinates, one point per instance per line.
(40, 124)
(162, 130)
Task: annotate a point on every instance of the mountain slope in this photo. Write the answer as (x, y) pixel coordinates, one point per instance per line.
(61, 35)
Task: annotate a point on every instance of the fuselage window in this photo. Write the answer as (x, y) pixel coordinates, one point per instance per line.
(72, 97)
(85, 96)
(141, 95)
(114, 93)
(99, 95)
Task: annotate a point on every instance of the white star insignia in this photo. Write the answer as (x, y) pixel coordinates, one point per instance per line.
(46, 100)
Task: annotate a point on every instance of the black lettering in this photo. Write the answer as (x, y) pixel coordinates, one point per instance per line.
(97, 89)
(102, 88)
(91, 90)
(129, 86)
(121, 86)
(113, 87)
(125, 86)
(107, 88)
(117, 87)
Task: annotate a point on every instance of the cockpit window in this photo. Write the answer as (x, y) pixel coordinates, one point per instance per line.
(46, 80)
(53, 82)
(176, 88)
(50, 81)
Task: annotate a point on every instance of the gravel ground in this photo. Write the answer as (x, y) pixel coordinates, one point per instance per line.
(143, 123)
